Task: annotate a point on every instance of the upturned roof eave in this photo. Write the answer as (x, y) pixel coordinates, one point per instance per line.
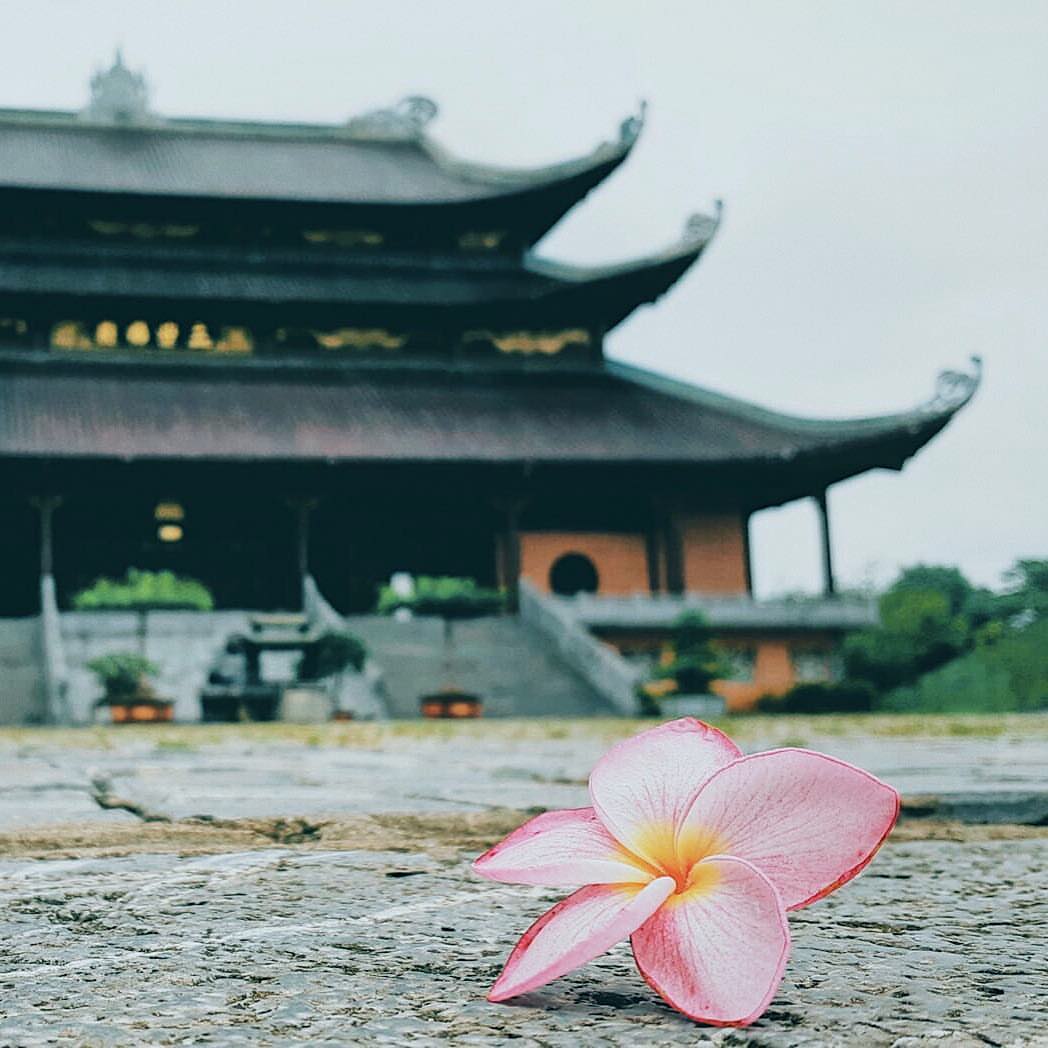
(493, 183)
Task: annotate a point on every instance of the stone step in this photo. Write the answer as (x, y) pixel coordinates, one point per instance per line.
(500, 658)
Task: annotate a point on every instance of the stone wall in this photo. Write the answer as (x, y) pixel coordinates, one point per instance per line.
(22, 692)
(181, 643)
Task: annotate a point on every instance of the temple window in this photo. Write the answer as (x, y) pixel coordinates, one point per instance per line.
(741, 663)
(815, 665)
(573, 573)
(169, 533)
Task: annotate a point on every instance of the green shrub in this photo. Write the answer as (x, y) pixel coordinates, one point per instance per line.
(696, 662)
(1008, 674)
(849, 696)
(121, 672)
(143, 591)
(332, 653)
(444, 595)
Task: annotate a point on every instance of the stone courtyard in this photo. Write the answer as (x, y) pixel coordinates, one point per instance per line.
(274, 885)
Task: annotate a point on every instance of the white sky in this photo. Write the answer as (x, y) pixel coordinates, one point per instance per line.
(884, 167)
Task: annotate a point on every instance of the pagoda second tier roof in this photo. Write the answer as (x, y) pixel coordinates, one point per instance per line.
(608, 416)
(274, 277)
(382, 158)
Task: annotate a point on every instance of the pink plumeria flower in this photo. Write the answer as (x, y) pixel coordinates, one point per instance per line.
(695, 853)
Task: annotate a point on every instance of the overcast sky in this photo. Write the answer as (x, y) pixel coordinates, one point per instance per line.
(884, 167)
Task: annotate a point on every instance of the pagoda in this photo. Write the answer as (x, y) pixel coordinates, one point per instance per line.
(252, 352)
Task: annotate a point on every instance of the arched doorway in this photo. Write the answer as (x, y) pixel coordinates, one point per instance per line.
(573, 573)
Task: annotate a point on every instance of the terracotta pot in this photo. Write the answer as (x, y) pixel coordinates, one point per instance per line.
(137, 712)
(451, 704)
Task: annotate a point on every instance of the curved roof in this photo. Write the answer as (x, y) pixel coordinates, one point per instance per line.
(382, 158)
(611, 416)
(607, 293)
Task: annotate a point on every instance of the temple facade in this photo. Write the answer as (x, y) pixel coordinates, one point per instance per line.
(252, 351)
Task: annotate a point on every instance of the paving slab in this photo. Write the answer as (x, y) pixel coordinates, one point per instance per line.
(236, 773)
(937, 943)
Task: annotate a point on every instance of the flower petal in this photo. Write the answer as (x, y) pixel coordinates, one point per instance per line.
(561, 848)
(576, 930)
(717, 952)
(642, 788)
(809, 822)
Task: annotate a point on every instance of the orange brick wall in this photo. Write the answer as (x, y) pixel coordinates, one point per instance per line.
(621, 559)
(714, 552)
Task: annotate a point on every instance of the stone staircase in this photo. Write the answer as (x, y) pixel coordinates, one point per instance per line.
(23, 696)
(501, 658)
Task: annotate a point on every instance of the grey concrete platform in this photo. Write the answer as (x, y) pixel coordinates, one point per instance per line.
(939, 943)
(273, 886)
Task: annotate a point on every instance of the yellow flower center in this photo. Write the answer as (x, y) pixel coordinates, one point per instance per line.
(668, 855)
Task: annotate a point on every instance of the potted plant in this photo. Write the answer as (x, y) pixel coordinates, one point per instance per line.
(129, 694)
(681, 682)
(327, 659)
(452, 599)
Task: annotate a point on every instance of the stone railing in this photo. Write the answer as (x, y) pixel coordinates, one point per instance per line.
(607, 672)
(317, 609)
(361, 692)
(52, 648)
(656, 611)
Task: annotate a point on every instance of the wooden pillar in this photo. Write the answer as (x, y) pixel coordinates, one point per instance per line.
(46, 505)
(674, 548)
(508, 570)
(655, 543)
(303, 508)
(829, 585)
(747, 557)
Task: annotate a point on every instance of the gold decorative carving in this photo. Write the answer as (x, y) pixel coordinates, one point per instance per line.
(70, 334)
(143, 230)
(545, 342)
(106, 335)
(167, 335)
(481, 241)
(200, 337)
(73, 334)
(13, 324)
(137, 333)
(359, 338)
(344, 237)
(235, 340)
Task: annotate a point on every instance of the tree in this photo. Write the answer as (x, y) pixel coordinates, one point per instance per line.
(1027, 592)
(939, 578)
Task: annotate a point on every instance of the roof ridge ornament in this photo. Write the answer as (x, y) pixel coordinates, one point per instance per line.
(631, 127)
(118, 96)
(953, 389)
(699, 228)
(404, 122)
